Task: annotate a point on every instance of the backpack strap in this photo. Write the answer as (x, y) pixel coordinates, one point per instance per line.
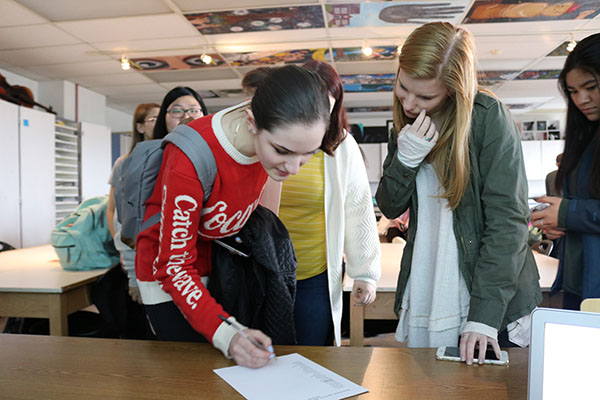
(193, 145)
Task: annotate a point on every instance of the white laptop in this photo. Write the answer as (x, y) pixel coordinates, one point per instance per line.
(564, 355)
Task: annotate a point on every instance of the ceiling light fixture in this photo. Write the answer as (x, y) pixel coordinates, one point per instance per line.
(206, 59)
(572, 44)
(367, 50)
(125, 64)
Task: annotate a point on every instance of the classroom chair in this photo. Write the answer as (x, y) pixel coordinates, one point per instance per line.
(590, 305)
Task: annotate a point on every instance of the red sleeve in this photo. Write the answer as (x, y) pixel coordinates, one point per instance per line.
(182, 256)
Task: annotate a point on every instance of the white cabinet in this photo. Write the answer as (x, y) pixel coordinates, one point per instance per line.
(95, 159)
(41, 173)
(10, 219)
(36, 152)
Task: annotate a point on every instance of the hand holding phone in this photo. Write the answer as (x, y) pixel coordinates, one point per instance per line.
(448, 353)
(539, 207)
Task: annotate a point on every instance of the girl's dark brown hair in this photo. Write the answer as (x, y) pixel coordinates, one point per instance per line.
(580, 131)
(288, 95)
(338, 124)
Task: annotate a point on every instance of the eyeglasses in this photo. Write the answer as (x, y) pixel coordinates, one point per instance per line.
(180, 112)
(150, 119)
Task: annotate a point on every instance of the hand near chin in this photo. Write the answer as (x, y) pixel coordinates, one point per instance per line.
(423, 128)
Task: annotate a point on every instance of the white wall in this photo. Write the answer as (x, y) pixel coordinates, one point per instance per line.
(118, 121)
(91, 106)
(60, 95)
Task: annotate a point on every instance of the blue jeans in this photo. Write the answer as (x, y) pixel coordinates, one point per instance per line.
(312, 312)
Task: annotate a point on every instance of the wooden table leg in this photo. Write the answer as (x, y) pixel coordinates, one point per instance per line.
(357, 325)
(58, 315)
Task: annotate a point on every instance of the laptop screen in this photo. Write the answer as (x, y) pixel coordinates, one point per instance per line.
(564, 355)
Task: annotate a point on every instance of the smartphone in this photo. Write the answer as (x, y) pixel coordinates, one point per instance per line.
(539, 207)
(449, 353)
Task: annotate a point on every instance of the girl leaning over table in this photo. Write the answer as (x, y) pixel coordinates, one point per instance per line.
(456, 163)
(271, 136)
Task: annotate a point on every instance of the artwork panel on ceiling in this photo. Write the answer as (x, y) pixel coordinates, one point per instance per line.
(259, 58)
(355, 54)
(177, 62)
(560, 51)
(257, 20)
(539, 74)
(486, 11)
(393, 13)
(489, 78)
(368, 82)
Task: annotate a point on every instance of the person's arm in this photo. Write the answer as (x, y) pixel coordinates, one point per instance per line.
(405, 155)
(578, 215)
(110, 212)
(503, 245)
(178, 255)
(361, 240)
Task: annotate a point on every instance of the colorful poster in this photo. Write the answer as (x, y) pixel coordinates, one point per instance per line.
(368, 82)
(257, 20)
(356, 54)
(560, 51)
(393, 13)
(540, 74)
(484, 11)
(177, 62)
(277, 57)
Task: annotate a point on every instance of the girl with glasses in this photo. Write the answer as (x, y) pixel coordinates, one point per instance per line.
(179, 104)
(144, 118)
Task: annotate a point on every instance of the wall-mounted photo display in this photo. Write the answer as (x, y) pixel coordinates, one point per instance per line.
(540, 130)
(540, 126)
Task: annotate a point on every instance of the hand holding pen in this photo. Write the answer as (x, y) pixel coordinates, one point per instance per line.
(249, 347)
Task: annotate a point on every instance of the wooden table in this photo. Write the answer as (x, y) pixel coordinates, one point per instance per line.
(383, 306)
(33, 284)
(43, 367)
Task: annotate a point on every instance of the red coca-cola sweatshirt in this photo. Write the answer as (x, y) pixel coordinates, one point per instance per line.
(173, 256)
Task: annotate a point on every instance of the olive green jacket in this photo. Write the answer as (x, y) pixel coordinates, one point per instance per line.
(490, 223)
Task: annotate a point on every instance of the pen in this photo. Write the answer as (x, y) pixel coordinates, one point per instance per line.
(240, 330)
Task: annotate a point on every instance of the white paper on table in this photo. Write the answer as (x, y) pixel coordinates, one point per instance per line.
(292, 377)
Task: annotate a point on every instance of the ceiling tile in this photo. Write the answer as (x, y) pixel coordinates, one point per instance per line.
(130, 28)
(112, 80)
(133, 90)
(493, 64)
(52, 55)
(21, 37)
(69, 10)
(192, 75)
(157, 47)
(13, 14)
(379, 67)
(532, 46)
(527, 88)
(74, 69)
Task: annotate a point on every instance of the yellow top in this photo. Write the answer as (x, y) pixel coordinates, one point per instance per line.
(302, 211)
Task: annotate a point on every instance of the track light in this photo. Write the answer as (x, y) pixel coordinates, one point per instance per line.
(572, 44)
(125, 64)
(206, 59)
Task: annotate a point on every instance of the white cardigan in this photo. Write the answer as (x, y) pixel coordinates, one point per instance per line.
(350, 225)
